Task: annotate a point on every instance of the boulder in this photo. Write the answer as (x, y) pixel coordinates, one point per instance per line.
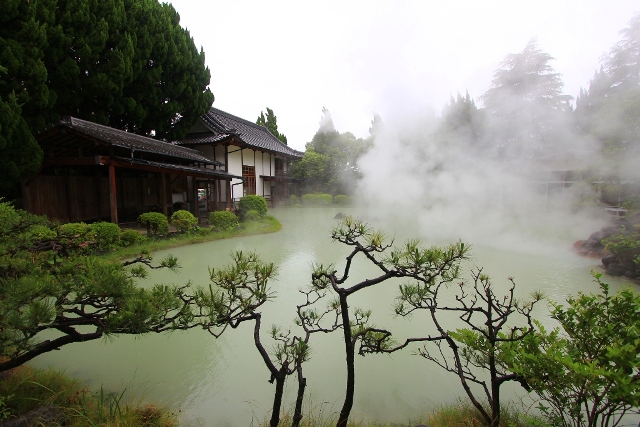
(615, 269)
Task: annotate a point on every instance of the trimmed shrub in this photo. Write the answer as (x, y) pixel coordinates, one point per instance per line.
(42, 232)
(294, 200)
(76, 235)
(201, 231)
(223, 220)
(131, 237)
(107, 234)
(341, 200)
(316, 199)
(183, 221)
(252, 203)
(74, 230)
(252, 215)
(155, 222)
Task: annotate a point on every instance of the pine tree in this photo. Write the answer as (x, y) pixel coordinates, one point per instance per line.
(270, 121)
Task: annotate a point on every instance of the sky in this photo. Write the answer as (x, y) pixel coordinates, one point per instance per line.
(398, 59)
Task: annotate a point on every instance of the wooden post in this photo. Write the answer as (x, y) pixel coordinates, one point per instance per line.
(97, 178)
(196, 202)
(112, 194)
(163, 187)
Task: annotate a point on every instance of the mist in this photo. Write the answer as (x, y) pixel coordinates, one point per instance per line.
(451, 192)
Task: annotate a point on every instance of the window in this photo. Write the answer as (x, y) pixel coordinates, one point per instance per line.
(249, 178)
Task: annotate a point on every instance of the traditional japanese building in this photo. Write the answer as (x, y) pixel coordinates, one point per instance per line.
(246, 149)
(92, 172)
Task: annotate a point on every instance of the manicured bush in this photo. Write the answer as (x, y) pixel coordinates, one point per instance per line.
(107, 234)
(341, 200)
(74, 230)
(223, 220)
(317, 199)
(201, 231)
(252, 203)
(131, 237)
(76, 235)
(183, 221)
(252, 215)
(155, 222)
(294, 200)
(42, 232)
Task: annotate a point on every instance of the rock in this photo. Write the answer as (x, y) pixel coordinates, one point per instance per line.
(615, 269)
(45, 416)
(607, 260)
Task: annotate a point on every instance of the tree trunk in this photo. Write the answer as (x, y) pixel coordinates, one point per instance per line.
(277, 399)
(495, 391)
(302, 384)
(349, 350)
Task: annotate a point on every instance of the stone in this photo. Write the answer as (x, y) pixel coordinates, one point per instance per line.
(615, 269)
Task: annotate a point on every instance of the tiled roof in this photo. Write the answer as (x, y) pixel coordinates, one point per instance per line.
(224, 125)
(120, 138)
(194, 170)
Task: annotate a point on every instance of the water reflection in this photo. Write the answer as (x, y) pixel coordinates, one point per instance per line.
(223, 382)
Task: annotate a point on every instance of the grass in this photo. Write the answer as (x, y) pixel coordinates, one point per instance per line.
(25, 389)
(265, 225)
(458, 414)
(464, 414)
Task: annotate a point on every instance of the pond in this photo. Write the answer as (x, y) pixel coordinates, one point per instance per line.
(223, 382)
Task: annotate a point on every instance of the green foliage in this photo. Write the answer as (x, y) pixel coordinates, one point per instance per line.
(223, 220)
(428, 268)
(132, 237)
(183, 221)
(252, 215)
(294, 200)
(315, 199)
(76, 235)
(23, 89)
(270, 121)
(236, 292)
(27, 389)
(74, 230)
(252, 203)
(42, 232)
(155, 222)
(201, 231)
(461, 122)
(494, 326)
(123, 63)
(330, 160)
(607, 109)
(52, 287)
(526, 104)
(107, 234)
(463, 414)
(626, 247)
(586, 371)
(342, 200)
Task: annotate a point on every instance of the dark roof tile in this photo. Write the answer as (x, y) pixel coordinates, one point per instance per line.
(120, 138)
(224, 125)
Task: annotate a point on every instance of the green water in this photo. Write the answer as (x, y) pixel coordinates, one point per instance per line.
(223, 382)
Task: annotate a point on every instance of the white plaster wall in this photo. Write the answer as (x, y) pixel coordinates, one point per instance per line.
(264, 164)
(235, 168)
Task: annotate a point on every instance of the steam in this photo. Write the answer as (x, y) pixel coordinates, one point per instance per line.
(442, 191)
